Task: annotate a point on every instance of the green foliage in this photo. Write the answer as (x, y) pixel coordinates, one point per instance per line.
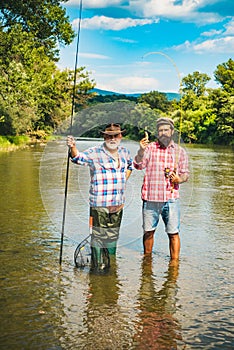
(209, 113)
(198, 125)
(223, 106)
(45, 20)
(224, 74)
(110, 98)
(13, 142)
(4, 142)
(195, 83)
(90, 121)
(135, 118)
(19, 140)
(156, 100)
(34, 94)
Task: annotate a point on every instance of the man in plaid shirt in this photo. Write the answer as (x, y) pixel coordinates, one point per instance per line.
(166, 167)
(110, 166)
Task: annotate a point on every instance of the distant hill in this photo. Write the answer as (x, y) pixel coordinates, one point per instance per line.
(170, 95)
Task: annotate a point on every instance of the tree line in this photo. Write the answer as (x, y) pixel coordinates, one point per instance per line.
(35, 96)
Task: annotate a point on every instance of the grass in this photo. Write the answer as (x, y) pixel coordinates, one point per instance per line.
(9, 143)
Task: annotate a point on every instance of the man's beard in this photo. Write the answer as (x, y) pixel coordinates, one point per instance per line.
(164, 141)
(113, 144)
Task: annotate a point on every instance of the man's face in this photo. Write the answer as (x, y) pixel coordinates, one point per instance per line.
(112, 141)
(165, 135)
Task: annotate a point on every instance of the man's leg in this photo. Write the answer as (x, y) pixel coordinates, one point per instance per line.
(106, 227)
(150, 215)
(113, 228)
(174, 246)
(148, 241)
(171, 218)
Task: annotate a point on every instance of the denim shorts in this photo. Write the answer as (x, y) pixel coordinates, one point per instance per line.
(169, 211)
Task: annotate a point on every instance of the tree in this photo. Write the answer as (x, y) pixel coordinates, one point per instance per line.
(46, 20)
(224, 74)
(34, 94)
(195, 83)
(223, 106)
(156, 100)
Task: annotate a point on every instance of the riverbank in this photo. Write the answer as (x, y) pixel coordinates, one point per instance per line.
(13, 143)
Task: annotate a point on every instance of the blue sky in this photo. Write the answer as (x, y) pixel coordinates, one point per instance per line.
(144, 45)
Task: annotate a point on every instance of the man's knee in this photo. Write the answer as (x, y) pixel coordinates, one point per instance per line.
(173, 235)
(148, 234)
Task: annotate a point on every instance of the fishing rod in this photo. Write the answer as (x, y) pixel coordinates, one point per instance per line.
(71, 123)
(180, 92)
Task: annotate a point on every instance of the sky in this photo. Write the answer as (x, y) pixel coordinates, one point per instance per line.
(137, 46)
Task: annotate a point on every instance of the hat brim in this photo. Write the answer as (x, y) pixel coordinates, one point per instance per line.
(117, 132)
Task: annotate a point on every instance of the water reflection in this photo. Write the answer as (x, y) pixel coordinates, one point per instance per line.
(157, 328)
(104, 318)
(30, 300)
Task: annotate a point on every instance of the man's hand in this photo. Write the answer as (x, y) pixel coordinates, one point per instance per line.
(145, 141)
(143, 144)
(71, 141)
(176, 179)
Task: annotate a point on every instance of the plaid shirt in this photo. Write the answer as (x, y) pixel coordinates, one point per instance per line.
(108, 178)
(156, 186)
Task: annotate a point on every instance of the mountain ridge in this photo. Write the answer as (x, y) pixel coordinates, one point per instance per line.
(170, 95)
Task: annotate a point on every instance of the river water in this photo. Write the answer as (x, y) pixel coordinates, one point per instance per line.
(138, 304)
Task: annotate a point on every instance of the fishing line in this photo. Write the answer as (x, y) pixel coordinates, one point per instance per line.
(71, 123)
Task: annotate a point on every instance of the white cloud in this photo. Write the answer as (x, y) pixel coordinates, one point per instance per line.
(222, 42)
(96, 3)
(212, 32)
(131, 84)
(230, 28)
(109, 23)
(186, 10)
(94, 55)
(220, 45)
(124, 40)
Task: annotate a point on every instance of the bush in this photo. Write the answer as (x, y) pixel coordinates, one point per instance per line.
(4, 142)
(19, 140)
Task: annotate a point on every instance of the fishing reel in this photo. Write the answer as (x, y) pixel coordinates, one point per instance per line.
(167, 173)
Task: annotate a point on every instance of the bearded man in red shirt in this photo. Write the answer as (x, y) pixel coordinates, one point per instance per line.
(166, 167)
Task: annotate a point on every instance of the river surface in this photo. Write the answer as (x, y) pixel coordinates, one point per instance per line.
(139, 303)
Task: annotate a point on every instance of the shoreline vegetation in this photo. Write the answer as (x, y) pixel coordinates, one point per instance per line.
(14, 143)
